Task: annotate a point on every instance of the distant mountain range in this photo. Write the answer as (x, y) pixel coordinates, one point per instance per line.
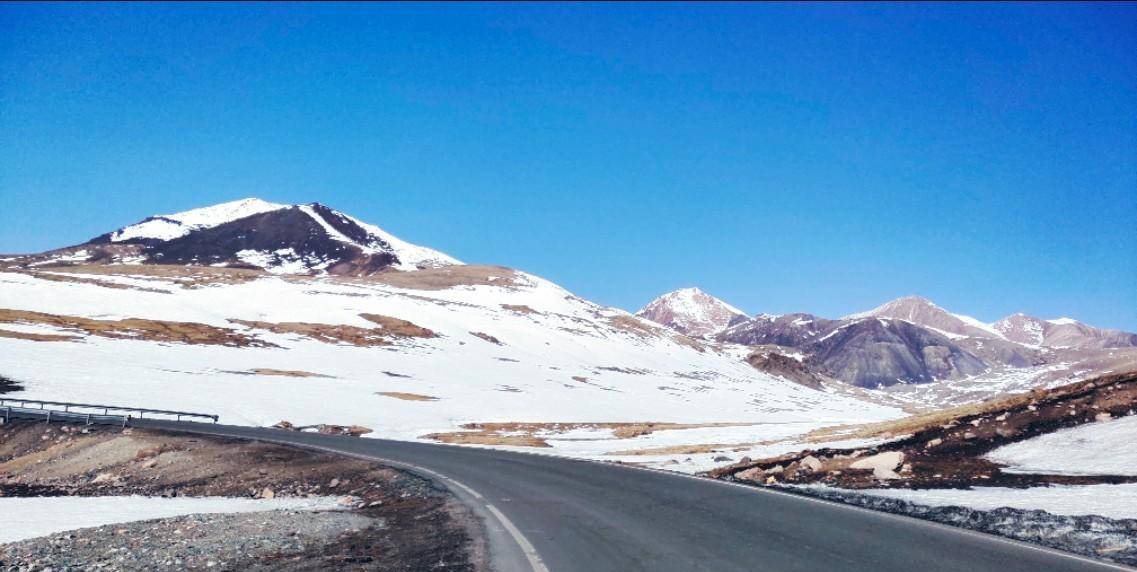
(907, 340)
(677, 346)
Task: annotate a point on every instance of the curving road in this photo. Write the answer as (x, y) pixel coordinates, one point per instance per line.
(549, 513)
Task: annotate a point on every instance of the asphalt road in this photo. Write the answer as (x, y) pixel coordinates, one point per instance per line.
(548, 513)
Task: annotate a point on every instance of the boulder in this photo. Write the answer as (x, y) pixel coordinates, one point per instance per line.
(754, 474)
(882, 465)
(811, 463)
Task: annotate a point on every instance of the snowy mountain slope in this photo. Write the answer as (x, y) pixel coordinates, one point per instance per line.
(691, 311)
(876, 352)
(406, 354)
(168, 227)
(251, 233)
(923, 312)
(1063, 333)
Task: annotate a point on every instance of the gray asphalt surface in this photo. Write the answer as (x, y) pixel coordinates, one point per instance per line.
(585, 516)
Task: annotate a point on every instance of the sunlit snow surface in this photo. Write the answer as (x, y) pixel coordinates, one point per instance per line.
(565, 361)
(166, 227)
(1103, 448)
(32, 517)
(1113, 501)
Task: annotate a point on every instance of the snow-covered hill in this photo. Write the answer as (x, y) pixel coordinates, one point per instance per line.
(691, 311)
(252, 233)
(265, 312)
(405, 353)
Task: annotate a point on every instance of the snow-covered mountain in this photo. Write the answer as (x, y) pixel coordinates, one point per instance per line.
(866, 351)
(691, 311)
(923, 312)
(251, 233)
(188, 324)
(1061, 333)
(912, 340)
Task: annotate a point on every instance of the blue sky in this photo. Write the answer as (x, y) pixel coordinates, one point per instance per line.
(784, 157)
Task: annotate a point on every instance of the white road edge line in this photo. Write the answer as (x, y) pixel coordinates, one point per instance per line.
(530, 552)
(523, 543)
(903, 517)
(750, 488)
(768, 490)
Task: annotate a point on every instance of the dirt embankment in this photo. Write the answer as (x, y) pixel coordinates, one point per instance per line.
(945, 451)
(397, 521)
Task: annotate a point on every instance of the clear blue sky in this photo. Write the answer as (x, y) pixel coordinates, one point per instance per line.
(784, 157)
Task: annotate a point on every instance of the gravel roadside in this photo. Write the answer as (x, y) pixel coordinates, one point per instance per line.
(392, 520)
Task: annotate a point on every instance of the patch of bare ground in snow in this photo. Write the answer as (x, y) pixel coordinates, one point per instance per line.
(137, 329)
(282, 373)
(407, 396)
(34, 337)
(642, 329)
(185, 276)
(398, 327)
(693, 449)
(443, 278)
(524, 434)
(486, 337)
(487, 438)
(327, 333)
(60, 275)
(391, 520)
(389, 329)
(519, 308)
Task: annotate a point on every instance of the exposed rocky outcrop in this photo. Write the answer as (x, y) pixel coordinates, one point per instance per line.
(873, 352)
(9, 386)
(789, 330)
(785, 367)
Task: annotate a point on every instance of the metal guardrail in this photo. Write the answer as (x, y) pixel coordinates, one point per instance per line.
(86, 412)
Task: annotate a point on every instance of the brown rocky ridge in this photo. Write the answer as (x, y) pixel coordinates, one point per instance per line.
(945, 449)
